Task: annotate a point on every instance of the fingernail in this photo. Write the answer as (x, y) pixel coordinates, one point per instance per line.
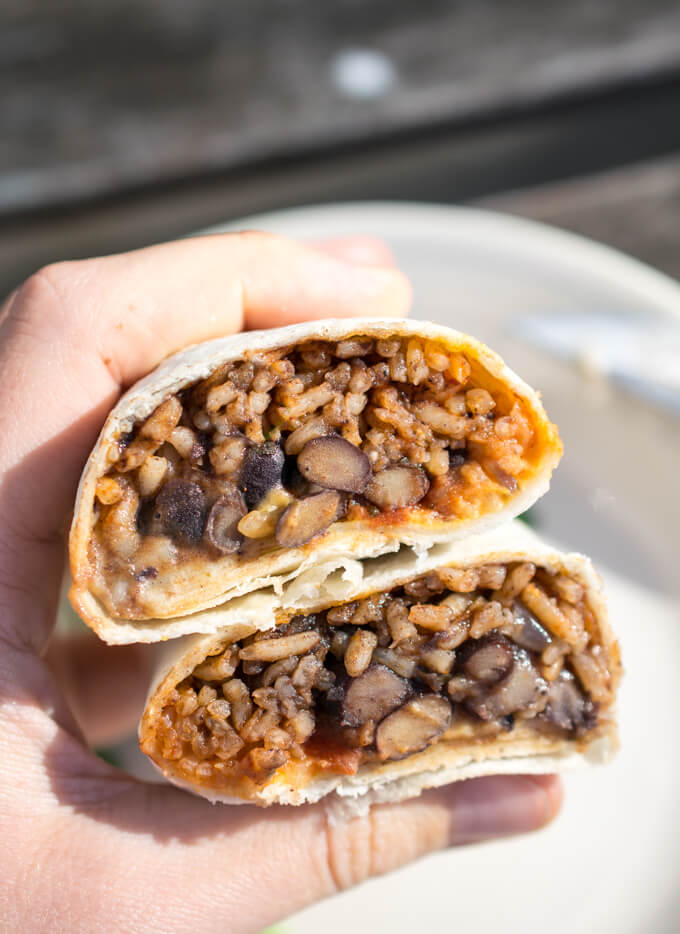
(502, 805)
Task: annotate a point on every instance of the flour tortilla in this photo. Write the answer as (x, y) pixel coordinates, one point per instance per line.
(364, 539)
(521, 751)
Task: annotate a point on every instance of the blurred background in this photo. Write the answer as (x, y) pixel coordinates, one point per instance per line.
(126, 122)
(123, 122)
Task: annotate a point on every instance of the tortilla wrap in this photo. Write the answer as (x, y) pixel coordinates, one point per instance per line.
(451, 757)
(179, 601)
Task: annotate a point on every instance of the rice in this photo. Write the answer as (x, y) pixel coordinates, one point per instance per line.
(255, 704)
(400, 402)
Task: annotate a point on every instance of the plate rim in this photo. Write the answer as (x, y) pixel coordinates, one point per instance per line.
(522, 237)
(518, 234)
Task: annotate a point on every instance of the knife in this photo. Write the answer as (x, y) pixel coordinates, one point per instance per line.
(640, 354)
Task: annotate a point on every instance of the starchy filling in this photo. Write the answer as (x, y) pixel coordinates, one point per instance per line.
(454, 654)
(272, 451)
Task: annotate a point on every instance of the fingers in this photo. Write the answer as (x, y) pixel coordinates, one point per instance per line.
(74, 333)
(105, 686)
(259, 867)
(136, 308)
(465, 812)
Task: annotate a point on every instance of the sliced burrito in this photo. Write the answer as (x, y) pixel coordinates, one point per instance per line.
(490, 656)
(245, 459)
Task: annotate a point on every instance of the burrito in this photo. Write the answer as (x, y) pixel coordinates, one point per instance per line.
(241, 461)
(491, 656)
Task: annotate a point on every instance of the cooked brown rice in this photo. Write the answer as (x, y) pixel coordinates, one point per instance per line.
(452, 654)
(270, 452)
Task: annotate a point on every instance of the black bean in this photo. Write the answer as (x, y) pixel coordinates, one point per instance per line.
(373, 695)
(518, 690)
(335, 464)
(221, 529)
(528, 632)
(306, 518)
(568, 707)
(180, 509)
(413, 727)
(262, 469)
(487, 659)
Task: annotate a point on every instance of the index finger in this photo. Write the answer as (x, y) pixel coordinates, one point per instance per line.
(138, 307)
(96, 325)
(76, 332)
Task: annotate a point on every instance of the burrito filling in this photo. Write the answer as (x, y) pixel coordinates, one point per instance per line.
(270, 452)
(453, 657)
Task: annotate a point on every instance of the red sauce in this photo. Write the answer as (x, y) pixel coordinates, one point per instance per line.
(330, 755)
(402, 515)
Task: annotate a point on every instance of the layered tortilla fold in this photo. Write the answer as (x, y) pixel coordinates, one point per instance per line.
(492, 655)
(243, 462)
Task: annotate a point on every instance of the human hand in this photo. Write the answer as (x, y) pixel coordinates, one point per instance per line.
(87, 846)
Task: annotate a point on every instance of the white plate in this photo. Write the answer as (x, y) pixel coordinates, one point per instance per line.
(610, 862)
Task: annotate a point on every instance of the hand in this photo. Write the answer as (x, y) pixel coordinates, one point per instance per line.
(81, 840)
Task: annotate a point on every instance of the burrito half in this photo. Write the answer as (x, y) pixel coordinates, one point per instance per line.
(242, 460)
(493, 657)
